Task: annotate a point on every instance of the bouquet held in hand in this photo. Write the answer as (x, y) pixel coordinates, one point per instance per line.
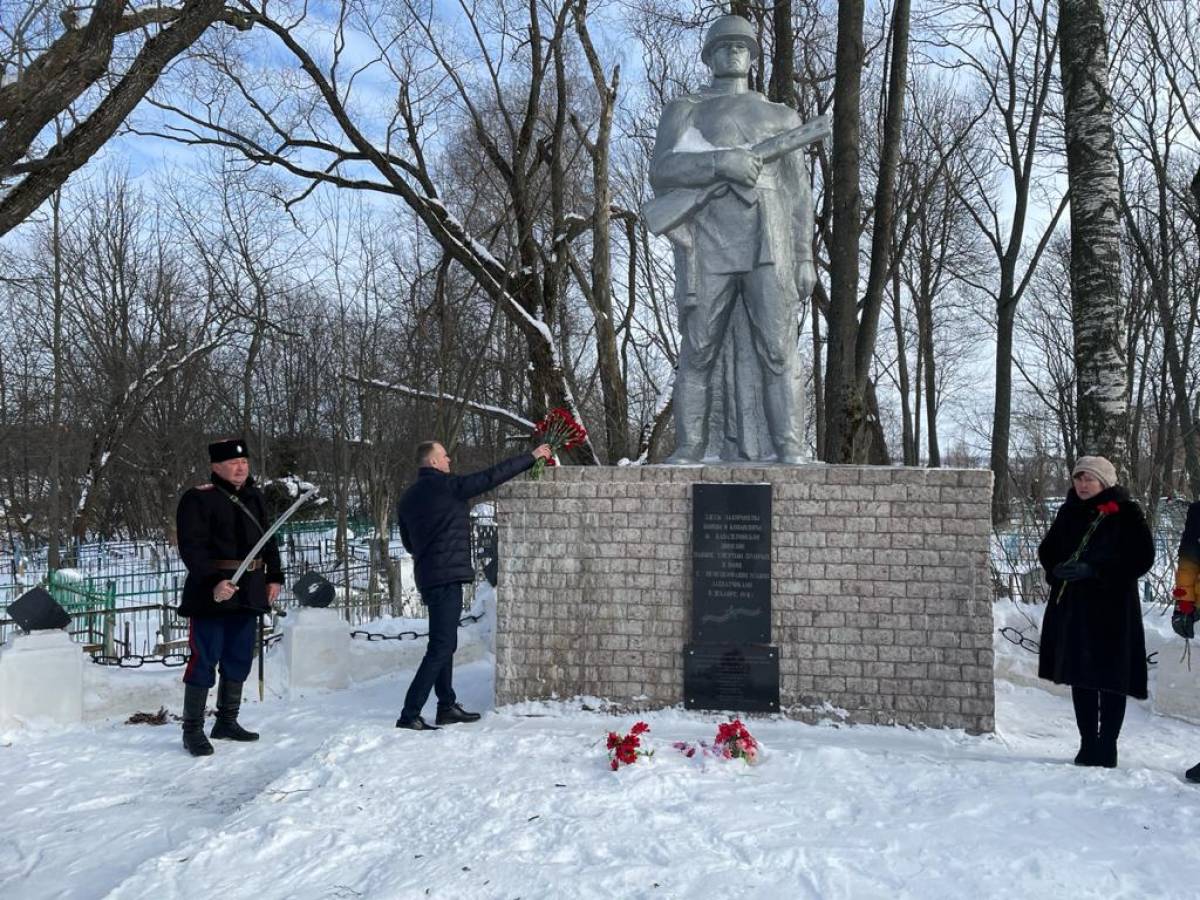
(1071, 568)
(560, 430)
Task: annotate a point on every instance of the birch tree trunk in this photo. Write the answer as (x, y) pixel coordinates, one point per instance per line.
(1102, 390)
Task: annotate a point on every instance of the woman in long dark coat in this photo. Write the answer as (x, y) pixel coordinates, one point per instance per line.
(1092, 636)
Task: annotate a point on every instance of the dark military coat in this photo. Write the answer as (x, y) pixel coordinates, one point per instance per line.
(213, 527)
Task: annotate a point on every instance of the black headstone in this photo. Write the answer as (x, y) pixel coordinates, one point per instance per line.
(313, 590)
(743, 677)
(36, 610)
(731, 563)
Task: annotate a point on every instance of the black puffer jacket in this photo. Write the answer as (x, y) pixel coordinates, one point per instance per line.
(211, 527)
(435, 523)
(1092, 633)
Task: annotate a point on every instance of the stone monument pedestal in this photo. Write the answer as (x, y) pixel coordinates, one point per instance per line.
(41, 678)
(881, 603)
(316, 647)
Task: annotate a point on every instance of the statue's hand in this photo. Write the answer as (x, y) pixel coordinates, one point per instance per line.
(738, 165)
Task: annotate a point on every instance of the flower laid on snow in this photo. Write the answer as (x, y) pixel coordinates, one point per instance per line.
(733, 741)
(560, 430)
(625, 749)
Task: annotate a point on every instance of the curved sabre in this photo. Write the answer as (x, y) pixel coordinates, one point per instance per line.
(269, 533)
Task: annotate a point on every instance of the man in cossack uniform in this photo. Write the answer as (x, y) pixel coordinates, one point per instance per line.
(218, 525)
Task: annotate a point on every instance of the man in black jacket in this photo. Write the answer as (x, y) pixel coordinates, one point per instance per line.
(218, 525)
(435, 527)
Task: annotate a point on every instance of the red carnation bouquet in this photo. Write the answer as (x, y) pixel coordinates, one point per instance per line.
(625, 749)
(560, 430)
(733, 741)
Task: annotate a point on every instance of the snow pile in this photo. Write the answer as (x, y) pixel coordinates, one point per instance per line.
(336, 802)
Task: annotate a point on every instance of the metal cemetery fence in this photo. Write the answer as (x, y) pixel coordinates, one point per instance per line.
(121, 595)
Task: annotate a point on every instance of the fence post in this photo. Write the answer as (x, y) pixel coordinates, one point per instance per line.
(110, 617)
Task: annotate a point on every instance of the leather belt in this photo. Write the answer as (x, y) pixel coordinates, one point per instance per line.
(232, 564)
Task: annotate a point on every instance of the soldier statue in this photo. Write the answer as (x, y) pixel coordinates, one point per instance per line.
(732, 194)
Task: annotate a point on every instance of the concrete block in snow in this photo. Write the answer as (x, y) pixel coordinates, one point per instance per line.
(41, 678)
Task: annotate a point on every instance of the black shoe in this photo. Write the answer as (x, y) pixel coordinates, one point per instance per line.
(229, 704)
(455, 714)
(1193, 774)
(417, 724)
(197, 744)
(230, 730)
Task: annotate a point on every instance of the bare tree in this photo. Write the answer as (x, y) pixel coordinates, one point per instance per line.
(511, 83)
(1098, 311)
(51, 71)
(843, 404)
(1009, 52)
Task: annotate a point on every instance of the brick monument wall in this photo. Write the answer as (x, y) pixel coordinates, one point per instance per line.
(880, 593)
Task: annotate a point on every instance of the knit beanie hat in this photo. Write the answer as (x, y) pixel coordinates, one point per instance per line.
(1105, 472)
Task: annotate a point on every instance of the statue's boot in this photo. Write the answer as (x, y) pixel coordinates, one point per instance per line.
(691, 418)
(779, 400)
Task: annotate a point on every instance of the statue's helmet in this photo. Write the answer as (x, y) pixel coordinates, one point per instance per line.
(729, 28)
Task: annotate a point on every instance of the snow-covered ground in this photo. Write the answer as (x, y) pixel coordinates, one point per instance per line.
(336, 802)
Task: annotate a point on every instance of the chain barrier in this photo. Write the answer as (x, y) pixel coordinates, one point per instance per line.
(137, 660)
(1026, 643)
(176, 660)
(407, 635)
(1020, 640)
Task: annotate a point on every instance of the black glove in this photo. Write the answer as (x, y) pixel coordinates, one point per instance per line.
(1073, 571)
(1184, 623)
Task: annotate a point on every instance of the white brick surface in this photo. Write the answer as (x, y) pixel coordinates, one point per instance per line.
(880, 602)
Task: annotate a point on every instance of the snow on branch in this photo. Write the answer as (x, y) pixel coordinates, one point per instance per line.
(485, 409)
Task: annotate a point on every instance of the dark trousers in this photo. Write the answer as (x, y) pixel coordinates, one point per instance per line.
(225, 640)
(436, 671)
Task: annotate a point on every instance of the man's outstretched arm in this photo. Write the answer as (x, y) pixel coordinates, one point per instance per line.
(481, 482)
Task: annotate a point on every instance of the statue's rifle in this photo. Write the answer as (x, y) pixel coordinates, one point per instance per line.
(669, 210)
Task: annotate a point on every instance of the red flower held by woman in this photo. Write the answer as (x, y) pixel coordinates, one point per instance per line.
(1103, 511)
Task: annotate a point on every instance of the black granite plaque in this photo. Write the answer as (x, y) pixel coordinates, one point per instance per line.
(741, 677)
(731, 563)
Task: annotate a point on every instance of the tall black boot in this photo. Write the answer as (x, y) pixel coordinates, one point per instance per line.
(229, 702)
(1087, 720)
(194, 701)
(1112, 716)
